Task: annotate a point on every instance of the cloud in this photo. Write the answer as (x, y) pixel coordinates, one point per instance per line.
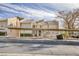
(25, 11)
(36, 11)
(7, 9)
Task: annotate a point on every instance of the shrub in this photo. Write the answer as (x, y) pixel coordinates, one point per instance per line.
(25, 34)
(2, 33)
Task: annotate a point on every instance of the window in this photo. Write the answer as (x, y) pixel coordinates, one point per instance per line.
(33, 26)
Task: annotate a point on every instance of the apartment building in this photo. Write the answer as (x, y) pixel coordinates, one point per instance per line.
(47, 25)
(3, 27)
(28, 23)
(52, 25)
(39, 24)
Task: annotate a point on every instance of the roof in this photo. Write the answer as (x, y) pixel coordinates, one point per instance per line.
(26, 20)
(3, 20)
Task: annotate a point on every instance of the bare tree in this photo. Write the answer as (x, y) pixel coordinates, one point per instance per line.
(20, 18)
(69, 17)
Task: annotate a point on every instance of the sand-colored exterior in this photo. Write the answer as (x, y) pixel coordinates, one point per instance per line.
(29, 23)
(13, 22)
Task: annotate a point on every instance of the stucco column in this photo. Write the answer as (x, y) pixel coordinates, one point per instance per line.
(42, 33)
(33, 33)
(37, 33)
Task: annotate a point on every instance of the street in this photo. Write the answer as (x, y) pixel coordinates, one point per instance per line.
(39, 47)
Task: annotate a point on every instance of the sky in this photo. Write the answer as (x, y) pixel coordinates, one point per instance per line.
(34, 10)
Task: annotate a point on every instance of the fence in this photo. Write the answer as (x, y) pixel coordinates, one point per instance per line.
(47, 33)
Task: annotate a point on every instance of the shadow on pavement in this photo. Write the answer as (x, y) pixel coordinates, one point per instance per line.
(48, 42)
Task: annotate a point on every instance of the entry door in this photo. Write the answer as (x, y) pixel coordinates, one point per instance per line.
(39, 32)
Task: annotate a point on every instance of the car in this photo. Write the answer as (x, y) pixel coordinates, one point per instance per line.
(75, 36)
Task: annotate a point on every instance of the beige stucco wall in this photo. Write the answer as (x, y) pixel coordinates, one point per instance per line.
(49, 25)
(3, 23)
(26, 25)
(13, 22)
